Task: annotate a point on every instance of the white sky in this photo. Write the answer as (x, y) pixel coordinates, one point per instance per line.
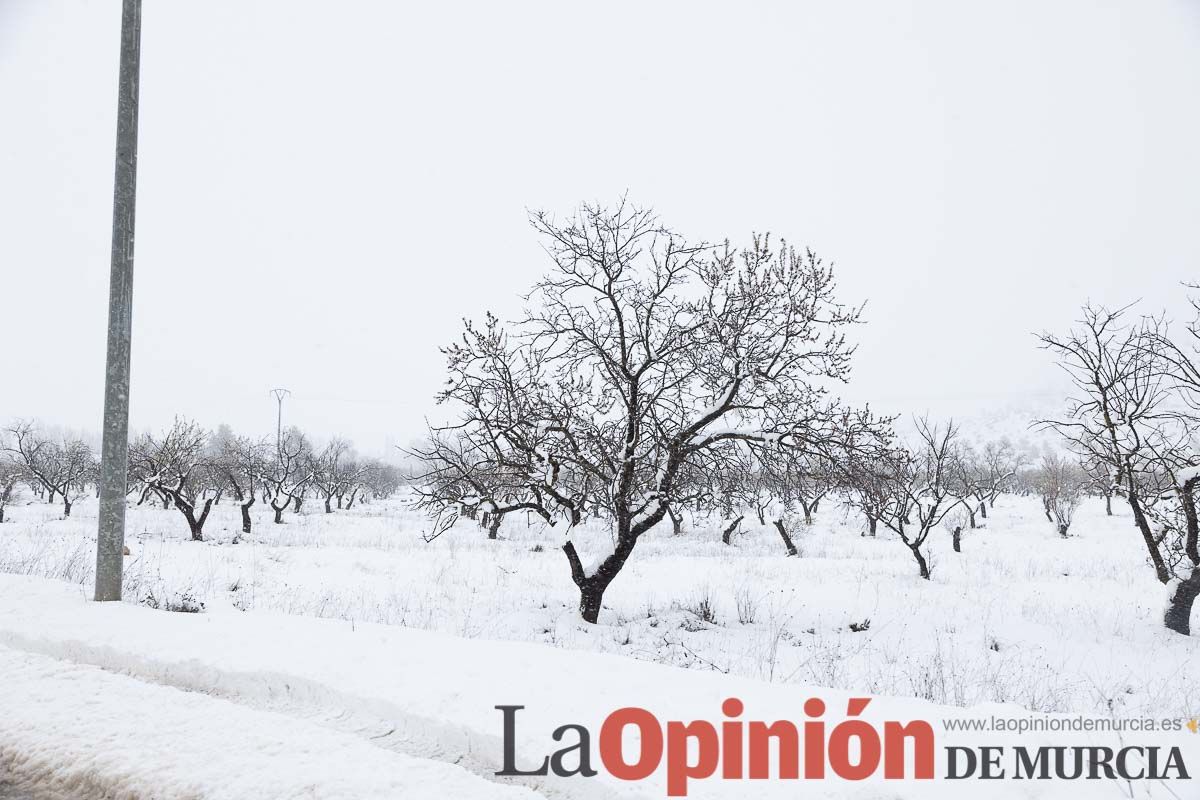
(325, 189)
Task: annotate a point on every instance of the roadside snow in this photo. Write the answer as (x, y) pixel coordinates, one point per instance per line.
(77, 731)
(329, 705)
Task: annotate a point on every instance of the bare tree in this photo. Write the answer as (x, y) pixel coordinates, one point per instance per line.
(1061, 484)
(1132, 381)
(1100, 478)
(60, 467)
(641, 353)
(1178, 460)
(12, 474)
(334, 470)
(461, 480)
(243, 463)
(288, 473)
(1118, 374)
(871, 485)
(177, 466)
(920, 491)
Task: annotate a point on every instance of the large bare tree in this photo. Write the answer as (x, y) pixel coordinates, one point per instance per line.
(1130, 419)
(642, 352)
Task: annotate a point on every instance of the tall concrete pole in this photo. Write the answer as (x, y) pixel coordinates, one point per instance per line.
(114, 454)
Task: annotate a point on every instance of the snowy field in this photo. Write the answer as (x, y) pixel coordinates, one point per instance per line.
(1020, 616)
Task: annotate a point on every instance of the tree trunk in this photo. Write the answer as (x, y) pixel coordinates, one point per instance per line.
(983, 509)
(195, 524)
(1, 515)
(1139, 517)
(66, 507)
(676, 522)
(592, 587)
(956, 538)
(1179, 608)
(1062, 529)
(246, 522)
(53, 494)
(872, 525)
(493, 524)
(278, 512)
(787, 540)
(328, 508)
(1108, 503)
(921, 562)
(296, 504)
(971, 517)
(591, 596)
(727, 534)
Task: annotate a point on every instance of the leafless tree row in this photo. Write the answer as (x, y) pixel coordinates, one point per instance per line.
(191, 469)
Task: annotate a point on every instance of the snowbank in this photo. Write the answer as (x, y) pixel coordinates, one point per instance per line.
(77, 731)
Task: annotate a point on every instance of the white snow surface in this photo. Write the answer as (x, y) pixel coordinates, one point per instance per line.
(75, 731)
(115, 700)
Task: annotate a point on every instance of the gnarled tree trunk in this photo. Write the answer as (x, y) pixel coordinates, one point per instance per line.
(731, 529)
(787, 540)
(245, 507)
(1179, 609)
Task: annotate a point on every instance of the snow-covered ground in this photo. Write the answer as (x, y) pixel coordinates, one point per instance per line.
(112, 700)
(1021, 618)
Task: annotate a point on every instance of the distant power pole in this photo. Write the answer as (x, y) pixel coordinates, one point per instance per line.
(114, 454)
(279, 395)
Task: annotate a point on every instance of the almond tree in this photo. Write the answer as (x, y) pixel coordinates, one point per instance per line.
(12, 474)
(288, 474)
(1119, 405)
(1132, 380)
(460, 480)
(640, 353)
(59, 467)
(177, 467)
(920, 491)
(1178, 459)
(1061, 484)
(379, 481)
(243, 464)
(334, 471)
(996, 470)
(871, 484)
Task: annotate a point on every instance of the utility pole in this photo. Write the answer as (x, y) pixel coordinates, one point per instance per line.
(114, 453)
(279, 395)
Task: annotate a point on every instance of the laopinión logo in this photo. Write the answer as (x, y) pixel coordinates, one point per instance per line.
(853, 749)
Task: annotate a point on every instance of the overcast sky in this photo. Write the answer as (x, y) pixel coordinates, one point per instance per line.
(325, 189)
